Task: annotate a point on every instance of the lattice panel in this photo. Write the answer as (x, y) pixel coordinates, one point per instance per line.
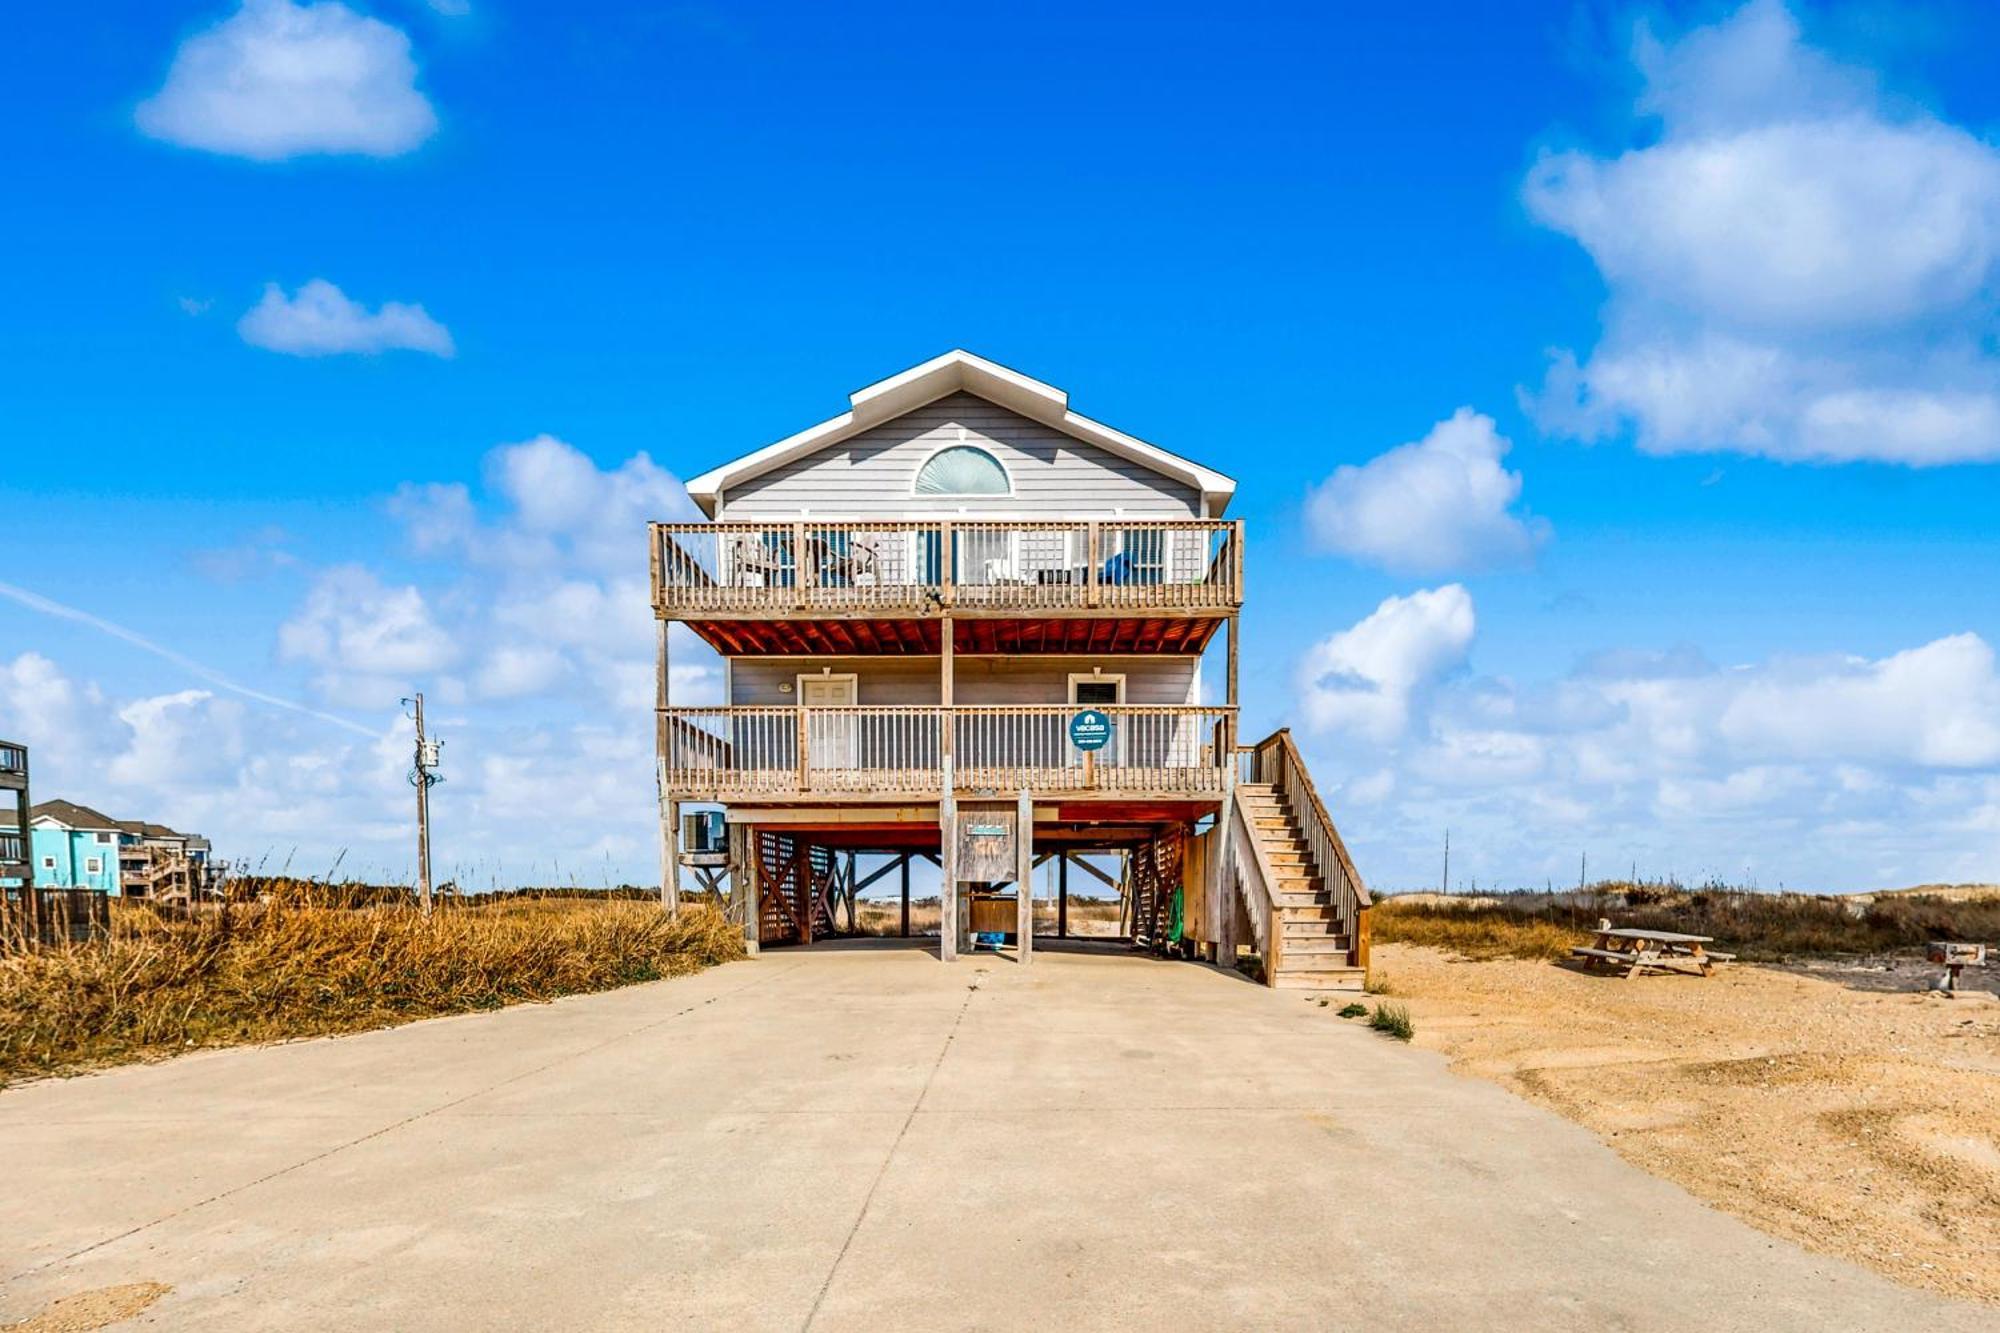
(820, 864)
(781, 892)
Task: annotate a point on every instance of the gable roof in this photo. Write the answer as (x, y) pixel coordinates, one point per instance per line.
(955, 372)
(71, 815)
(140, 828)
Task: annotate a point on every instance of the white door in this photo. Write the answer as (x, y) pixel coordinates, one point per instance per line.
(833, 740)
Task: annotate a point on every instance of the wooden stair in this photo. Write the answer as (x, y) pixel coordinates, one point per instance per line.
(1313, 952)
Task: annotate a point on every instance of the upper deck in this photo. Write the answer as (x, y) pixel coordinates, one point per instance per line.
(920, 569)
(13, 765)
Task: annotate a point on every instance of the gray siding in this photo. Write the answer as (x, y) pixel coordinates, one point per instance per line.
(872, 474)
(978, 680)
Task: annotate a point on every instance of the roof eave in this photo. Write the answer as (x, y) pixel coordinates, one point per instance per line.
(953, 372)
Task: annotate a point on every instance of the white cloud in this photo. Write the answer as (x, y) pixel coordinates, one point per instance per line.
(1936, 706)
(187, 737)
(1443, 504)
(277, 80)
(372, 643)
(514, 670)
(44, 710)
(1365, 679)
(320, 320)
(1833, 772)
(1797, 266)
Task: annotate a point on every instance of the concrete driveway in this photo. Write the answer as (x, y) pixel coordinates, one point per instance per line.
(863, 1138)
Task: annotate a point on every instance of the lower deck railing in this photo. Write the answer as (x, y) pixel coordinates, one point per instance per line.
(864, 751)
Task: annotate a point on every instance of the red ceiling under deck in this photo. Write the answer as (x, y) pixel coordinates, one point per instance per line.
(920, 638)
(1109, 823)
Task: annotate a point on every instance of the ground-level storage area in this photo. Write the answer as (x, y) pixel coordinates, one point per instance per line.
(802, 875)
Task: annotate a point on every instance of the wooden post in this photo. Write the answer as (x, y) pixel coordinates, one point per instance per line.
(1024, 878)
(807, 889)
(669, 808)
(1062, 896)
(1093, 591)
(1229, 758)
(947, 570)
(799, 564)
(1221, 889)
(905, 860)
(948, 869)
(745, 867)
(423, 781)
(670, 882)
(801, 741)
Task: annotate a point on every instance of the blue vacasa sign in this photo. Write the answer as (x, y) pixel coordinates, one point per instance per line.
(1090, 730)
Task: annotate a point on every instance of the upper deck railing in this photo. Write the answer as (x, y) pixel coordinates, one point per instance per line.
(13, 765)
(789, 569)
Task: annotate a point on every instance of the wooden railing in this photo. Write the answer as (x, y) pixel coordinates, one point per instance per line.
(13, 850)
(793, 568)
(1250, 871)
(13, 758)
(875, 751)
(1275, 761)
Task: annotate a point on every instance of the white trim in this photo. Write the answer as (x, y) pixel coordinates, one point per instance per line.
(1116, 517)
(955, 371)
(1096, 678)
(960, 443)
(851, 677)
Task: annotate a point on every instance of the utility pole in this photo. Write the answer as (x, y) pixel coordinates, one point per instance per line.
(423, 777)
(1444, 884)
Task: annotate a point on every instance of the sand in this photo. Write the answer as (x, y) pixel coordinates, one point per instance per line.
(88, 1311)
(1833, 1106)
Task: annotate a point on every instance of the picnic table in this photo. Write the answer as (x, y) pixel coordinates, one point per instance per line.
(1638, 949)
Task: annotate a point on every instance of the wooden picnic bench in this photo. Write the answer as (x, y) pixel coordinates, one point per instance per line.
(1638, 950)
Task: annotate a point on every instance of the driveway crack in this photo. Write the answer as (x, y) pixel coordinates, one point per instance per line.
(868, 1200)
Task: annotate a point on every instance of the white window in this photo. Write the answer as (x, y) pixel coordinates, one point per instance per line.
(962, 469)
(104, 837)
(48, 863)
(93, 865)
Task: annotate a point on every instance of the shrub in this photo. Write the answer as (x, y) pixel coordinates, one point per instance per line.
(265, 971)
(1353, 1010)
(1393, 1019)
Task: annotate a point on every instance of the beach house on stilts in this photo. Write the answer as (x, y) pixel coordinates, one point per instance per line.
(963, 626)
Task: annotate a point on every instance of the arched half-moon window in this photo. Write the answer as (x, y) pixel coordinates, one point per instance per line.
(962, 469)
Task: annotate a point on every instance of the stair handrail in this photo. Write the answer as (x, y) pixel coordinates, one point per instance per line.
(1276, 760)
(1263, 901)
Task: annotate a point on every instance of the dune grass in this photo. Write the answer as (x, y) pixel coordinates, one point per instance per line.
(1757, 927)
(296, 967)
(1393, 1020)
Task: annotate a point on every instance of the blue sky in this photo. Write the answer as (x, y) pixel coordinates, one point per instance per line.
(340, 387)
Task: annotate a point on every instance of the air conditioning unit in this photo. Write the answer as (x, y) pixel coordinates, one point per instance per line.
(704, 831)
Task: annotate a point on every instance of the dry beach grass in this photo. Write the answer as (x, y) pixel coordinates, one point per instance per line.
(1757, 927)
(293, 967)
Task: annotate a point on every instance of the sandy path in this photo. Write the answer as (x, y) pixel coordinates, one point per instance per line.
(1860, 1123)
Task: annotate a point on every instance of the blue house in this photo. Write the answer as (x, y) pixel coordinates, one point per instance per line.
(74, 847)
